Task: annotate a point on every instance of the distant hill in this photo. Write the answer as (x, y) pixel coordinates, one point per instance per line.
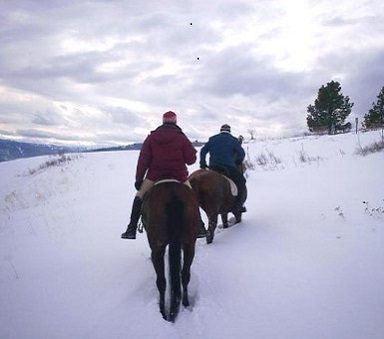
(131, 147)
(10, 150)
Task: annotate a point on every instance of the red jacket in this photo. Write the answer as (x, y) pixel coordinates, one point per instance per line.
(164, 154)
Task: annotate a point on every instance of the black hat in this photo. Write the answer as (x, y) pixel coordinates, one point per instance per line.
(225, 128)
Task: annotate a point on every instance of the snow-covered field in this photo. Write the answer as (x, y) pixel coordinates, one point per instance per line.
(306, 262)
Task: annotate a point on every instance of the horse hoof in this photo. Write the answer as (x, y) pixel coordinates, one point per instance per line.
(164, 315)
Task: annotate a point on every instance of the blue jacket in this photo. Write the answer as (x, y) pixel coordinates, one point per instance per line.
(224, 149)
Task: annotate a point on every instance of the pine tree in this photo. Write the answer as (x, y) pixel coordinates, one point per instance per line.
(375, 116)
(330, 109)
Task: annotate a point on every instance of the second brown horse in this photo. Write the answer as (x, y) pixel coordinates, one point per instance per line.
(213, 192)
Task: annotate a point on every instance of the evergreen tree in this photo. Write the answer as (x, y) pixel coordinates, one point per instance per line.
(375, 116)
(330, 109)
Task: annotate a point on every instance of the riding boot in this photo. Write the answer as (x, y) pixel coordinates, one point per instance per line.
(202, 231)
(238, 205)
(130, 233)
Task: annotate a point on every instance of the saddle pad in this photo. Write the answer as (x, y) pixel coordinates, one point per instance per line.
(233, 186)
(166, 180)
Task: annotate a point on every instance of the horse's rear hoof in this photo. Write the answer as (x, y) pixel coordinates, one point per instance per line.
(164, 315)
(237, 218)
(209, 239)
(185, 302)
(173, 312)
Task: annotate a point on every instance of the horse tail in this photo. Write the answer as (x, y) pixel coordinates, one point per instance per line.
(175, 212)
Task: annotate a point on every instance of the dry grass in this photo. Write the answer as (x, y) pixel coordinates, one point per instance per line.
(372, 148)
(62, 159)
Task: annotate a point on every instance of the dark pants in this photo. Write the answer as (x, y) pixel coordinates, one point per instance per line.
(237, 177)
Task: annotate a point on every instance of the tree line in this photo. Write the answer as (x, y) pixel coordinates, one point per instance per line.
(331, 108)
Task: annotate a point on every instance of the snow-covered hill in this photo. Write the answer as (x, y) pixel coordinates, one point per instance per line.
(306, 262)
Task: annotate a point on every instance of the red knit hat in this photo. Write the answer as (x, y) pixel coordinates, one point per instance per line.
(169, 117)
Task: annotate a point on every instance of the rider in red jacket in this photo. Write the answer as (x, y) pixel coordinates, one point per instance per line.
(164, 155)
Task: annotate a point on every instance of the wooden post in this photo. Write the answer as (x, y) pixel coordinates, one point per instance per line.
(357, 124)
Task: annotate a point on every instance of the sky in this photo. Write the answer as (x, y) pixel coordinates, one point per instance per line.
(99, 73)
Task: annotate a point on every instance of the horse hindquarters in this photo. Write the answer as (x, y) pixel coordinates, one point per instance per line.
(170, 217)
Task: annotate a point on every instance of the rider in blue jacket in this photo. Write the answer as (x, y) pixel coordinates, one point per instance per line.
(225, 155)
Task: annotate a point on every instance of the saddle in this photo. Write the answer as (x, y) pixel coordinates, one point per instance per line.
(163, 181)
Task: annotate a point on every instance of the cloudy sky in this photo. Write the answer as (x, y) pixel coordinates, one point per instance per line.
(102, 72)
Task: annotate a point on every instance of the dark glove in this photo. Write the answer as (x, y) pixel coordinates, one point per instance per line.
(138, 184)
(203, 166)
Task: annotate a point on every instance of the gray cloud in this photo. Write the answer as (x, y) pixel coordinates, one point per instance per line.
(122, 115)
(6, 133)
(103, 71)
(48, 118)
(37, 134)
(362, 75)
(367, 82)
(231, 73)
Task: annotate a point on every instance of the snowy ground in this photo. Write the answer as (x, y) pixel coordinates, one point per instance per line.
(306, 262)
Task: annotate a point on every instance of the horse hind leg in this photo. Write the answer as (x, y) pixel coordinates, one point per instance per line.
(211, 228)
(224, 219)
(237, 217)
(189, 253)
(174, 266)
(158, 263)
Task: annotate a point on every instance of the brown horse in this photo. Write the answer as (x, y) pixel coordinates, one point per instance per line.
(213, 192)
(170, 216)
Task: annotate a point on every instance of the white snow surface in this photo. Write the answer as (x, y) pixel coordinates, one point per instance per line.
(306, 262)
